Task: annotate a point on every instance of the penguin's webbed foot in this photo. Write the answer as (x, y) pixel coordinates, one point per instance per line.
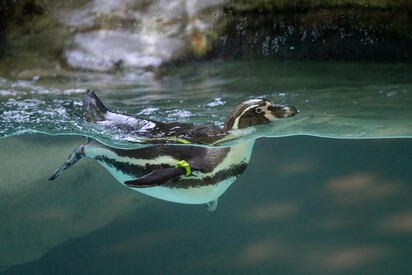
(212, 205)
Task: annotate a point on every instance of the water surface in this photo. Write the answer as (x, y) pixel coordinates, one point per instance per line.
(337, 100)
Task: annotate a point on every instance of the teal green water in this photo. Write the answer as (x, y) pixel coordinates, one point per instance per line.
(339, 204)
(337, 100)
(304, 205)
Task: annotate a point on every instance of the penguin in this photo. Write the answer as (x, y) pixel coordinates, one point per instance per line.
(143, 130)
(188, 174)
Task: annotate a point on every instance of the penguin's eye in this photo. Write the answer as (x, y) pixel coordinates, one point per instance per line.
(259, 110)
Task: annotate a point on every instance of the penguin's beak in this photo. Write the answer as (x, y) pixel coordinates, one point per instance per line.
(283, 111)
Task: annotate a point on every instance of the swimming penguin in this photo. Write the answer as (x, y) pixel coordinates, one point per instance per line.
(142, 130)
(186, 174)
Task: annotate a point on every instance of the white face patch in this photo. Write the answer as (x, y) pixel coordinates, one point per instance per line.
(270, 117)
(268, 114)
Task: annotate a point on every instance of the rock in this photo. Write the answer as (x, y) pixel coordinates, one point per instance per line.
(318, 32)
(139, 36)
(112, 36)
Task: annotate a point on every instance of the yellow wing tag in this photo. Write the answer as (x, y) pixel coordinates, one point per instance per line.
(186, 166)
(182, 140)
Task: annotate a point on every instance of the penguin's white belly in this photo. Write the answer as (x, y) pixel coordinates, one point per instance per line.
(192, 195)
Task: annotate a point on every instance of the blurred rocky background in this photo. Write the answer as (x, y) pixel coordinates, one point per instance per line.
(46, 38)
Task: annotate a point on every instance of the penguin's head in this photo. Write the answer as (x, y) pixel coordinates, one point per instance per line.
(257, 111)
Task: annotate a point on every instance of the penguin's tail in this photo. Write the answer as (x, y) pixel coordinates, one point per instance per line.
(94, 108)
(72, 159)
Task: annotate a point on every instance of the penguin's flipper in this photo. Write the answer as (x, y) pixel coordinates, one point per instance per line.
(212, 205)
(156, 178)
(72, 159)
